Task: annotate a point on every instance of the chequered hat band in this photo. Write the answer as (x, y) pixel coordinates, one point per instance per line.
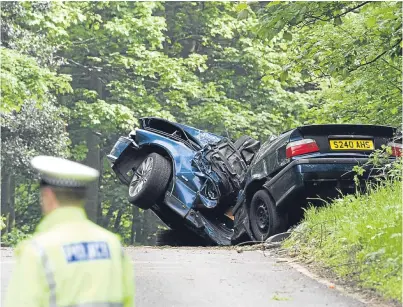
(63, 182)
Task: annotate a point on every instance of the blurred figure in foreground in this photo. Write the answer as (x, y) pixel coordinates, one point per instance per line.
(69, 261)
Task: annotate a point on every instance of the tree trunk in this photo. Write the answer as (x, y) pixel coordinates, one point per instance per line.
(107, 218)
(117, 221)
(137, 224)
(11, 217)
(99, 208)
(93, 160)
(146, 226)
(5, 197)
(153, 228)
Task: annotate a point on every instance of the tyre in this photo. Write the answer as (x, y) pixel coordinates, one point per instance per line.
(265, 220)
(181, 237)
(149, 181)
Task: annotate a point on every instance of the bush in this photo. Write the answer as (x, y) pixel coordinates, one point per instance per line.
(15, 236)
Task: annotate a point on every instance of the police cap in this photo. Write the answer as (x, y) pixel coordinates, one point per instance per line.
(63, 173)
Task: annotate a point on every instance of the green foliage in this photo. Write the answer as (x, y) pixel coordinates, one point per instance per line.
(359, 237)
(30, 132)
(352, 50)
(101, 116)
(2, 224)
(381, 166)
(242, 84)
(27, 205)
(23, 79)
(72, 70)
(15, 236)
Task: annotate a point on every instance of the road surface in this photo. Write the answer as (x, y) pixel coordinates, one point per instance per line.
(185, 277)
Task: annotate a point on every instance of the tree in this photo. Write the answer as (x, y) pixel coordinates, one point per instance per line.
(244, 90)
(352, 49)
(30, 123)
(77, 75)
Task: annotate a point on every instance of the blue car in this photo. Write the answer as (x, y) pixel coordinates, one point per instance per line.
(188, 177)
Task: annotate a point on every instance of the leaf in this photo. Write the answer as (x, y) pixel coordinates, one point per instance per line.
(243, 14)
(287, 36)
(305, 74)
(371, 21)
(338, 21)
(273, 3)
(242, 6)
(284, 76)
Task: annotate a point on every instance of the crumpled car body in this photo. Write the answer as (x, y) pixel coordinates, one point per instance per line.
(307, 165)
(230, 192)
(203, 186)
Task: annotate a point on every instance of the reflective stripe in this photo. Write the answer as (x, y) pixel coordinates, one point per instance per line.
(97, 305)
(48, 273)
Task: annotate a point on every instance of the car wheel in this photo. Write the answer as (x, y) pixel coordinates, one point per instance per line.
(149, 181)
(265, 220)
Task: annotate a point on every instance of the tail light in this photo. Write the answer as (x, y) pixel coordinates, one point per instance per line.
(397, 149)
(301, 147)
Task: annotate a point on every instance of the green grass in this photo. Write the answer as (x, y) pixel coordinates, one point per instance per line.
(358, 237)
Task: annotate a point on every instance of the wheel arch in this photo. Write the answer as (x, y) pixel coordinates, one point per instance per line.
(252, 188)
(150, 148)
(133, 158)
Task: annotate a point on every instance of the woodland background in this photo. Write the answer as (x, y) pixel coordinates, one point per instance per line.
(77, 75)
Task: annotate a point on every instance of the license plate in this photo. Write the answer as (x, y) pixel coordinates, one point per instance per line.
(351, 144)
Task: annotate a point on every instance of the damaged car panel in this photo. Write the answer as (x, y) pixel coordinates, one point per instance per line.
(228, 192)
(205, 174)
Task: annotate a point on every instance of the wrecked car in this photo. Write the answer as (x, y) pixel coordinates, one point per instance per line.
(309, 164)
(229, 192)
(188, 177)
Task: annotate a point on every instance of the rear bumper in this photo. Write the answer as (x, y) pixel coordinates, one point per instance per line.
(315, 177)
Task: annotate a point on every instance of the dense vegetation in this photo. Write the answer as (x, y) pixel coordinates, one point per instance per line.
(76, 75)
(358, 237)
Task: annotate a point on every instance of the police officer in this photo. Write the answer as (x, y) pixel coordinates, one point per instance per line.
(69, 261)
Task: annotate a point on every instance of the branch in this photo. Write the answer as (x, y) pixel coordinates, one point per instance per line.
(83, 41)
(316, 18)
(352, 9)
(394, 67)
(376, 58)
(194, 37)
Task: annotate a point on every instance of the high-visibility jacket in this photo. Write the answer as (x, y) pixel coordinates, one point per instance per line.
(71, 262)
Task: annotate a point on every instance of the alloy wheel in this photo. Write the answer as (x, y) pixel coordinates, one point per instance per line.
(140, 176)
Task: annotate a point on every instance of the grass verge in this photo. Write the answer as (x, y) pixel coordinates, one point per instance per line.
(358, 238)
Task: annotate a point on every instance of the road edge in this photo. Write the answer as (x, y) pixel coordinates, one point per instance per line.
(373, 302)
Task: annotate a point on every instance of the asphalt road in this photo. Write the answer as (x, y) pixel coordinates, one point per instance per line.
(183, 277)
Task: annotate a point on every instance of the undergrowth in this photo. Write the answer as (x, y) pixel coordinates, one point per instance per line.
(358, 237)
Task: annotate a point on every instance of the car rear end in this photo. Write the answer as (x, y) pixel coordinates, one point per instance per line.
(320, 160)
